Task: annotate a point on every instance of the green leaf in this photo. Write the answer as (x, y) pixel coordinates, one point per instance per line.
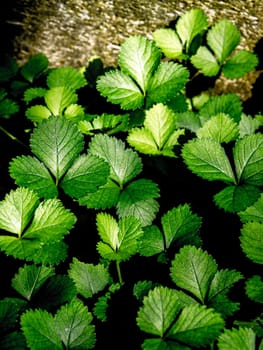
(38, 113)
(236, 339)
(29, 172)
(193, 270)
(188, 120)
(74, 112)
(205, 61)
(158, 136)
(248, 158)
(169, 79)
(254, 289)
(17, 209)
(119, 239)
(252, 241)
(236, 198)
(34, 67)
(39, 328)
(66, 76)
(254, 212)
(73, 325)
(30, 278)
(159, 311)
(138, 199)
(14, 340)
(57, 143)
(223, 38)
(87, 173)
(248, 125)
(168, 41)
(197, 326)
(33, 93)
(152, 241)
(119, 88)
(88, 278)
(10, 309)
(190, 24)
(220, 128)
(58, 98)
(160, 344)
(239, 64)
(207, 159)
(139, 58)
(8, 107)
(125, 163)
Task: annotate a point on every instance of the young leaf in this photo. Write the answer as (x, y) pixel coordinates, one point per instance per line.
(66, 76)
(254, 289)
(34, 92)
(207, 159)
(87, 173)
(254, 212)
(159, 311)
(197, 326)
(139, 57)
(158, 136)
(119, 88)
(89, 279)
(239, 64)
(38, 113)
(252, 241)
(138, 200)
(220, 128)
(168, 41)
(56, 142)
(125, 163)
(29, 172)
(190, 24)
(17, 209)
(206, 62)
(248, 158)
(236, 339)
(30, 278)
(193, 270)
(223, 38)
(236, 198)
(119, 239)
(58, 98)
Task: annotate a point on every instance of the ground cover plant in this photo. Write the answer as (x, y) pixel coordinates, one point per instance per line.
(131, 211)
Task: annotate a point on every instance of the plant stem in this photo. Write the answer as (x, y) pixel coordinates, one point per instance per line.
(12, 137)
(119, 272)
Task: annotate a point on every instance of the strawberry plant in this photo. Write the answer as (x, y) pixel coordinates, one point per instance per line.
(131, 206)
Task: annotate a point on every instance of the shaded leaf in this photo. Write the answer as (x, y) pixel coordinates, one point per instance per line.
(252, 241)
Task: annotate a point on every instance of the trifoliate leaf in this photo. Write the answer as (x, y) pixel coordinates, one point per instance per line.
(229, 104)
(254, 289)
(223, 38)
(34, 67)
(38, 113)
(248, 158)
(252, 241)
(254, 212)
(239, 64)
(168, 41)
(236, 198)
(190, 24)
(125, 163)
(193, 270)
(138, 199)
(57, 142)
(158, 136)
(168, 80)
(205, 61)
(220, 128)
(17, 209)
(180, 224)
(119, 88)
(159, 311)
(30, 278)
(207, 159)
(88, 278)
(58, 98)
(236, 339)
(197, 326)
(248, 125)
(139, 57)
(86, 175)
(120, 239)
(39, 329)
(66, 76)
(29, 172)
(152, 241)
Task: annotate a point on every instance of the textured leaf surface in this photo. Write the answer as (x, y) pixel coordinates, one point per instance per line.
(252, 241)
(254, 289)
(57, 142)
(236, 339)
(38, 113)
(66, 76)
(239, 64)
(152, 241)
(168, 41)
(206, 62)
(193, 270)
(254, 212)
(58, 98)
